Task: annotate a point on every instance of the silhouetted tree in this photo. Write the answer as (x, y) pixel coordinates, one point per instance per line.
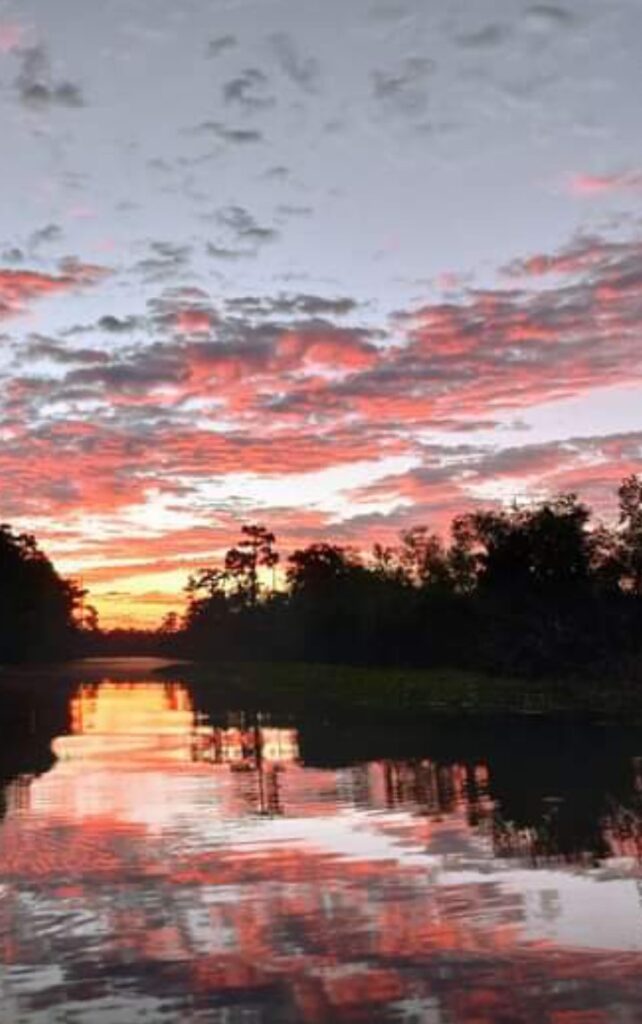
(529, 589)
(208, 609)
(534, 583)
(386, 564)
(170, 623)
(424, 558)
(242, 563)
(319, 567)
(462, 558)
(226, 613)
(36, 605)
(90, 619)
(206, 585)
(546, 548)
(630, 534)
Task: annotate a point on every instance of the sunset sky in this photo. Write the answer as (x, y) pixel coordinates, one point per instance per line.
(339, 267)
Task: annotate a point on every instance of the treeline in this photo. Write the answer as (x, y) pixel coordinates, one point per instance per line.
(37, 606)
(537, 590)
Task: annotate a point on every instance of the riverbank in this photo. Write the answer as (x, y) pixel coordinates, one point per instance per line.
(408, 693)
(375, 692)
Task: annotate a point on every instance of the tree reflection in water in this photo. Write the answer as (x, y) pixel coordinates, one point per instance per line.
(187, 868)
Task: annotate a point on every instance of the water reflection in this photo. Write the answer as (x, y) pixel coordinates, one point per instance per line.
(172, 867)
(156, 722)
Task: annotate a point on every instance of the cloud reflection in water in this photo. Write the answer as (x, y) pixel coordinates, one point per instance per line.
(190, 871)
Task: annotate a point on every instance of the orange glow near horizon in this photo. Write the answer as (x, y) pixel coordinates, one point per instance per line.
(141, 602)
(135, 610)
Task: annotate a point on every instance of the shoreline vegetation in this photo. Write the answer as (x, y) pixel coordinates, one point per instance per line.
(403, 694)
(527, 609)
(347, 691)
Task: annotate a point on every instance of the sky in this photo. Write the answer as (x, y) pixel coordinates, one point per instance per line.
(336, 267)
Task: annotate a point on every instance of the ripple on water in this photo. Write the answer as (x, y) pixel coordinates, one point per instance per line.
(168, 869)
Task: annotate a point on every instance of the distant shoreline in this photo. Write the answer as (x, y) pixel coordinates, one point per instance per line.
(49, 675)
(407, 693)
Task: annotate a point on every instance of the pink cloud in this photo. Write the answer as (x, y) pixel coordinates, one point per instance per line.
(11, 36)
(193, 321)
(449, 280)
(587, 185)
(19, 287)
(317, 396)
(338, 349)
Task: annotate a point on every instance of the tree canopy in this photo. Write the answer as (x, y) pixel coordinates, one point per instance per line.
(36, 605)
(536, 589)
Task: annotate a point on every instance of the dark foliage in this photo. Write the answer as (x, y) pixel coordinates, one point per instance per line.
(36, 605)
(533, 590)
(121, 642)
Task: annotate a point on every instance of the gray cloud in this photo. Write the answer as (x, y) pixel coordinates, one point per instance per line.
(220, 45)
(45, 235)
(287, 210)
(117, 325)
(302, 305)
(13, 255)
(484, 38)
(242, 225)
(167, 259)
(40, 347)
(219, 252)
(248, 90)
(404, 90)
(236, 136)
(35, 85)
(277, 173)
(136, 373)
(549, 15)
(304, 72)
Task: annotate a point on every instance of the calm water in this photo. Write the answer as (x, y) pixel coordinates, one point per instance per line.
(163, 858)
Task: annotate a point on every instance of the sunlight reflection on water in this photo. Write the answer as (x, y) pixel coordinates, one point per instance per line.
(169, 868)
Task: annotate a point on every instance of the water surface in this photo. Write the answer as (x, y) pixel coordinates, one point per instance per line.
(161, 860)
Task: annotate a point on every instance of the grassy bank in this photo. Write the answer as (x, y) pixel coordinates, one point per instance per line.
(407, 692)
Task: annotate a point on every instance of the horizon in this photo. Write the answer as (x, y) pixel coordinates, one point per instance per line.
(345, 282)
(273, 580)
